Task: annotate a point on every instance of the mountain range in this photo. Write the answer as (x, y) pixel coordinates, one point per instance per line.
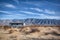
(31, 21)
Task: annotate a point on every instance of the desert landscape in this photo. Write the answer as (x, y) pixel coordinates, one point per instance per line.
(32, 32)
(29, 19)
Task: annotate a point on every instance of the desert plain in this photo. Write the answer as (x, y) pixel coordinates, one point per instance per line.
(32, 32)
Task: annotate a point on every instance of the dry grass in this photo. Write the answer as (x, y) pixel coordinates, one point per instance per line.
(29, 33)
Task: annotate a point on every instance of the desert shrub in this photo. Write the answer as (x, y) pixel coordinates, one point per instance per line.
(0, 27)
(11, 31)
(0, 38)
(6, 27)
(55, 33)
(34, 30)
(13, 37)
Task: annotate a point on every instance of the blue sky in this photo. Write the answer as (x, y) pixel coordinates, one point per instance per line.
(21, 9)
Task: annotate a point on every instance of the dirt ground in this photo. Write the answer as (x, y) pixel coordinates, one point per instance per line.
(30, 33)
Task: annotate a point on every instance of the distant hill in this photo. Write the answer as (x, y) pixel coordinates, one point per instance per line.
(32, 21)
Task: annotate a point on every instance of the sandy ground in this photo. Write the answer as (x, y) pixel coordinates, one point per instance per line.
(30, 33)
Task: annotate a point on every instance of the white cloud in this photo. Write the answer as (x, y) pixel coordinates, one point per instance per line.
(37, 9)
(42, 16)
(27, 12)
(32, 13)
(43, 10)
(49, 12)
(53, 17)
(49, 17)
(6, 12)
(10, 6)
(12, 13)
